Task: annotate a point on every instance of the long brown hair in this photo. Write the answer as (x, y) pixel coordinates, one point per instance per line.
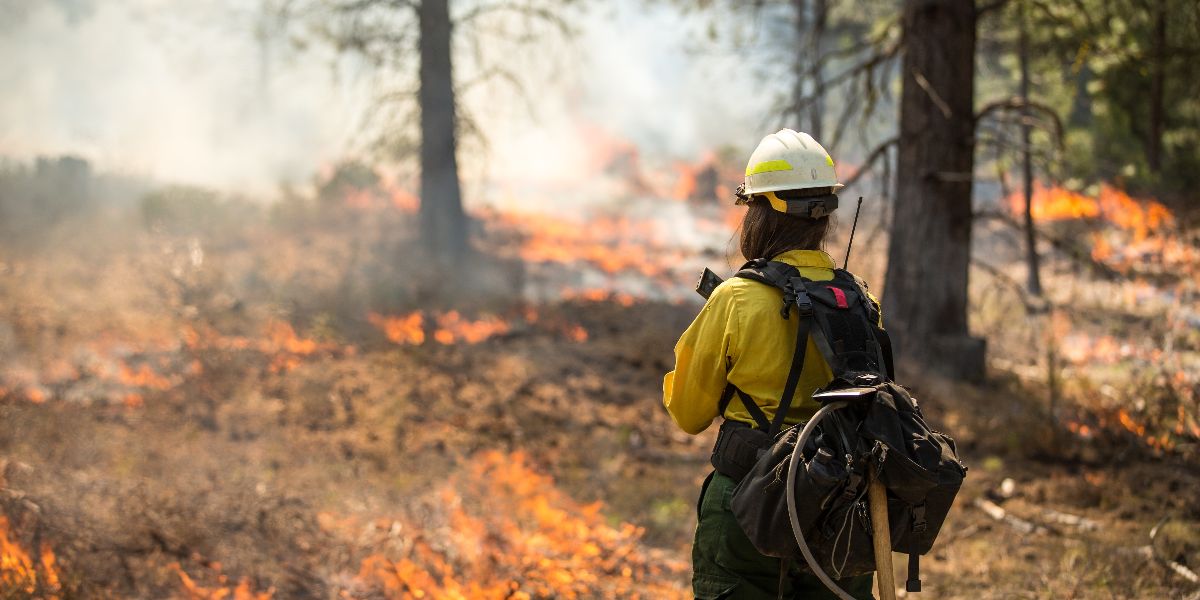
(767, 233)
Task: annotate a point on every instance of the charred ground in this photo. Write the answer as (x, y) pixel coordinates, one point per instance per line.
(223, 409)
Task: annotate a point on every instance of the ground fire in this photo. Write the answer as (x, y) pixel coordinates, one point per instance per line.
(292, 305)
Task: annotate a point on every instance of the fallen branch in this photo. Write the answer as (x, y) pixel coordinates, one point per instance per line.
(997, 513)
(1070, 520)
(1179, 569)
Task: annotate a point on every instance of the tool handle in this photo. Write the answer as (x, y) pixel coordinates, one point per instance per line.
(881, 537)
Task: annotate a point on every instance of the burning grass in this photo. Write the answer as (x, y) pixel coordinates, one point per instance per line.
(222, 590)
(241, 416)
(25, 576)
(1116, 356)
(510, 533)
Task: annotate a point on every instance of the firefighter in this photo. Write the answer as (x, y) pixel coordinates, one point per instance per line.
(738, 340)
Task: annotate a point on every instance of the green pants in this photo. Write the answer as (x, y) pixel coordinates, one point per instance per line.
(725, 564)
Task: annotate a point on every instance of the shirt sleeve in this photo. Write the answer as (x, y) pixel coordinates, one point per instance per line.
(692, 392)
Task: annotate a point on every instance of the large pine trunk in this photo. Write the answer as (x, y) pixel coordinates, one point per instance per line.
(443, 222)
(925, 297)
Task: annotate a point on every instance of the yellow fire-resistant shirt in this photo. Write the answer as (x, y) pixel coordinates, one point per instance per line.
(739, 337)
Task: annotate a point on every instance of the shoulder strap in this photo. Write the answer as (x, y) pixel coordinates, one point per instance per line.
(756, 412)
(793, 379)
(885, 346)
(779, 275)
(786, 278)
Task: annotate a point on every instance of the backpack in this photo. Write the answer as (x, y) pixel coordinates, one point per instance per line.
(866, 420)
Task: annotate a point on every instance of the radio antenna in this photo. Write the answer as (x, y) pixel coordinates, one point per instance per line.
(850, 244)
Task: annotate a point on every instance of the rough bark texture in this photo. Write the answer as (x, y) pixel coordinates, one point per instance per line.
(810, 31)
(929, 254)
(443, 222)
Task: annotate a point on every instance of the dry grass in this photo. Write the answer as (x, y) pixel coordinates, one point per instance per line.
(329, 462)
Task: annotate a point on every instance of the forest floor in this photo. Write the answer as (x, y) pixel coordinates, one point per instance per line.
(166, 433)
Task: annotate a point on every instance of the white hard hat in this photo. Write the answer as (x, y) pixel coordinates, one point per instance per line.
(789, 160)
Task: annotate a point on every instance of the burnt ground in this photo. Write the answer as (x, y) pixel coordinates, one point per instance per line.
(322, 460)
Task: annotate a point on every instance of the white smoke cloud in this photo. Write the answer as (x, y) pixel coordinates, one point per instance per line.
(185, 92)
(167, 90)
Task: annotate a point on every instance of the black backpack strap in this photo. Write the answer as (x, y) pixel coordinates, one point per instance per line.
(913, 585)
(776, 274)
(793, 379)
(756, 413)
(885, 345)
(787, 279)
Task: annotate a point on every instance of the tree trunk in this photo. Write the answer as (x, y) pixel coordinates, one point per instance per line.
(1031, 255)
(443, 222)
(1157, 84)
(810, 31)
(929, 254)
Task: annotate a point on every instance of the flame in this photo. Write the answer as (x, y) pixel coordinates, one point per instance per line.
(280, 342)
(405, 330)
(611, 244)
(1079, 429)
(143, 377)
(512, 534)
(1141, 216)
(1055, 204)
(448, 328)
(453, 328)
(35, 394)
(577, 333)
(1128, 423)
(1141, 228)
(242, 591)
(21, 573)
(600, 295)
(685, 185)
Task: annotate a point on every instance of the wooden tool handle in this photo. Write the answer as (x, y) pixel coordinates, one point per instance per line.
(882, 537)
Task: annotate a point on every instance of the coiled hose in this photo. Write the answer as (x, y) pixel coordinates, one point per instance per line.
(795, 463)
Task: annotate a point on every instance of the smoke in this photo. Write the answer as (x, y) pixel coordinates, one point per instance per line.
(636, 94)
(167, 90)
(210, 94)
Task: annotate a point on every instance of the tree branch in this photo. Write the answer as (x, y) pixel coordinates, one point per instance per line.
(1071, 250)
(879, 151)
(1016, 103)
(866, 66)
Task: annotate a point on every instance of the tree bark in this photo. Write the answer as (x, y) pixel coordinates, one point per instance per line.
(810, 31)
(443, 222)
(1157, 88)
(929, 254)
(1031, 255)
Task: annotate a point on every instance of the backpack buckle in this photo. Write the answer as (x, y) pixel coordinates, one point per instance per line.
(803, 303)
(918, 519)
(850, 492)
